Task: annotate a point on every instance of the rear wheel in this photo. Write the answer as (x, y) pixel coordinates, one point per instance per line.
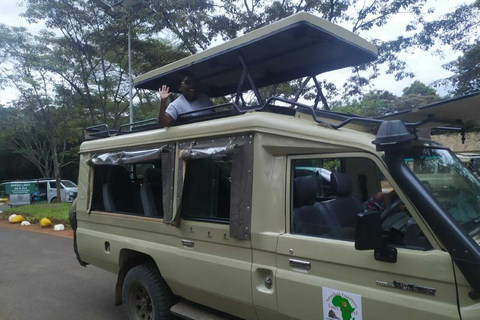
(146, 296)
(54, 200)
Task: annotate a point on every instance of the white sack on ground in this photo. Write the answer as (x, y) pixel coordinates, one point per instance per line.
(58, 227)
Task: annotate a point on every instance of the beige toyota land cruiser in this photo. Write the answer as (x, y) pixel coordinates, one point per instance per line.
(276, 210)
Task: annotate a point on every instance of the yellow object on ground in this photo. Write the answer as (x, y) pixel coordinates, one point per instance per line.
(17, 219)
(45, 222)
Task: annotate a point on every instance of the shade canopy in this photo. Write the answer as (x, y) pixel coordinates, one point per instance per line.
(297, 46)
(456, 110)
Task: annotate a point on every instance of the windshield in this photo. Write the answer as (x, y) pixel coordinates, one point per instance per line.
(454, 186)
(68, 184)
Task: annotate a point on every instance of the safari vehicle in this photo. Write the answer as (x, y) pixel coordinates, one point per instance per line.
(470, 161)
(214, 217)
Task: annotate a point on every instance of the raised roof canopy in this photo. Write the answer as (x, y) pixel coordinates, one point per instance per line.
(457, 110)
(298, 46)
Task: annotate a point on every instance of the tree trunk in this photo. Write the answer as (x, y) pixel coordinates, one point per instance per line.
(58, 179)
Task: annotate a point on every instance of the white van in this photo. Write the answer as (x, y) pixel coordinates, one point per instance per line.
(45, 191)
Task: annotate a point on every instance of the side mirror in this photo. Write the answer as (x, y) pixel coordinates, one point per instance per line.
(368, 234)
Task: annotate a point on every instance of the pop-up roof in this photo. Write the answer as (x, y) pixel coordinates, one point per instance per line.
(456, 110)
(297, 46)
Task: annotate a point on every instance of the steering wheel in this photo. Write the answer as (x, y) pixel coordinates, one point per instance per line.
(390, 210)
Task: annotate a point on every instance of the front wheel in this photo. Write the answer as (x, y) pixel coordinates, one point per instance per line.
(146, 296)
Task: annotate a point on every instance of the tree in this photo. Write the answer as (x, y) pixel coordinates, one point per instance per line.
(457, 30)
(373, 104)
(39, 134)
(466, 69)
(416, 95)
(91, 54)
(379, 103)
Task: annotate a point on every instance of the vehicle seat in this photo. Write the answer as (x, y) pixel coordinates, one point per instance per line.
(343, 210)
(414, 236)
(151, 192)
(119, 193)
(307, 218)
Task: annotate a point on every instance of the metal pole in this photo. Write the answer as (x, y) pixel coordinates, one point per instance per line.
(130, 73)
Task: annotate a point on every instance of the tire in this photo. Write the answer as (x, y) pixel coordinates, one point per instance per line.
(54, 200)
(145, 295)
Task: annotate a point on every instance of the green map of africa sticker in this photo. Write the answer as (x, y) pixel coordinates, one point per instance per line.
(341, 305)
(344, 306)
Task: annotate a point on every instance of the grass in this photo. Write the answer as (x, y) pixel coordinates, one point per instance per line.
(56, 212)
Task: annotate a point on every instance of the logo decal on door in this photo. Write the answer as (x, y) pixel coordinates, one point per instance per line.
(341, 305)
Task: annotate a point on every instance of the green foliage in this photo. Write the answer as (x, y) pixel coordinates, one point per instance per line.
(459, 30)
(378, 103)
(466, 68)
(418, 88)
(56, 212)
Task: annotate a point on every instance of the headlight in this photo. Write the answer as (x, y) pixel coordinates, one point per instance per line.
(71, 193)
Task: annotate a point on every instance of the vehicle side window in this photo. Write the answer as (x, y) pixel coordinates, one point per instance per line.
(321, 168)
(356, 185)
(129, 189)
(53, 184)
(206, 190)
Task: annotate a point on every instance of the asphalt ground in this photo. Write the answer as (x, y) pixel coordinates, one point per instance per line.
(40, 278)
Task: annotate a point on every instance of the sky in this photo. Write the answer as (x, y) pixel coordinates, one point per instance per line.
(426, 66)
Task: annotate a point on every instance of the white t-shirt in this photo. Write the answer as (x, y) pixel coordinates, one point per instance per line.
(182, 105)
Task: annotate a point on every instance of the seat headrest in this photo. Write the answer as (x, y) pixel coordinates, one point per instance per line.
(118, 174)
(152, 175)
(341, 184)
(305, 191)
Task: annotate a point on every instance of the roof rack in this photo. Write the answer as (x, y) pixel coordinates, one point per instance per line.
(232, 109)
(346, 119)
(214, 112)
(97, 132)
(138, 126)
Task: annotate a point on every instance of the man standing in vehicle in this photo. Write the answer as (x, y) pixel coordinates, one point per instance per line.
(190, 99)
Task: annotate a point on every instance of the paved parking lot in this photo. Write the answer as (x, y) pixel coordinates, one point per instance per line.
(41, 279)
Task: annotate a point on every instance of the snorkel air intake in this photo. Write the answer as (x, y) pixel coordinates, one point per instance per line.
(393, 136)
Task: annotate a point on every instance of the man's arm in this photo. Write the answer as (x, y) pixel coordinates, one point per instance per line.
(164, 119)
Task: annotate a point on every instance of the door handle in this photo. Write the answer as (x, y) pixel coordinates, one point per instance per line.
(188, 243)
(300, 264)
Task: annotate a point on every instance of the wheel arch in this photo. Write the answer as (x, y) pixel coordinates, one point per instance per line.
(127, 260)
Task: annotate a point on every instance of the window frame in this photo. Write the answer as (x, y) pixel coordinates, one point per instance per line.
(240, 146)
(91, 179)
(380, 165)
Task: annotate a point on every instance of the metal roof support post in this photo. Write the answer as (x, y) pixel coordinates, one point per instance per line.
(319, 94)
(243, 101)
(250, 79)
(240, 84)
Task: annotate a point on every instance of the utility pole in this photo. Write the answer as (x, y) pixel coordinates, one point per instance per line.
(115, 11)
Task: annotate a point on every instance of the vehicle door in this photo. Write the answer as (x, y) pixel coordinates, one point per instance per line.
(51, 190)
(215, 261)
(321, 274)
(42, 190)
